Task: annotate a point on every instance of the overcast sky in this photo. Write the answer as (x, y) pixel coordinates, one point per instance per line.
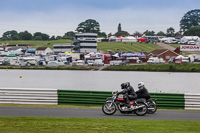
(56, 17)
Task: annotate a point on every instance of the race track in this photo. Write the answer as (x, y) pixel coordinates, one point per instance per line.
(95, 113)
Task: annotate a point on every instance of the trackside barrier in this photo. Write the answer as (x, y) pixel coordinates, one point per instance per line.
(169, 100)
(192, 101)
(75, 97)
(28, 96)
(91, 98)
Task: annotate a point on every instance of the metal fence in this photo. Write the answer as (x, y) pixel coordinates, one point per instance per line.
(192, 101)
(90, 98)
(28, 96)
(164, 100)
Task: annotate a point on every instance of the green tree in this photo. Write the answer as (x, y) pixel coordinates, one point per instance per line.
(119, 28)
(90, 26)
(193, 31)
(137, 33)
(160, 33)
(25, 35)
(178, 34)
(39, 35)
(121, 33)
(110, 34)
(16, 37)
(191, 18)
(58, 37)
(9, 34)
(53, 38)
(170, 32)
(102, 34)
(37, 38)
(69, 35)
(149, 33)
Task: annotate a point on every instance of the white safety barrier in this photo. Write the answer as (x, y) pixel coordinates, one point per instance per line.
(192, 101)
(28, 96)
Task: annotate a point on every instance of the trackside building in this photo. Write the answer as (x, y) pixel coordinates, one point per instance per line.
(85, 42)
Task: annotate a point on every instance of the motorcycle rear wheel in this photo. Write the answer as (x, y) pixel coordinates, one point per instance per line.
(152, 107)
(109, 108)
(141, 111)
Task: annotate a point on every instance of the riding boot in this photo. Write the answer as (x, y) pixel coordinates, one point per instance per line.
(127, 102)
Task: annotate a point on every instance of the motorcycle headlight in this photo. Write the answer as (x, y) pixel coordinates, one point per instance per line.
(114, 92)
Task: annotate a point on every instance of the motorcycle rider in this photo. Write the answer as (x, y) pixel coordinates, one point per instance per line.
(128, 93)
(142, 92)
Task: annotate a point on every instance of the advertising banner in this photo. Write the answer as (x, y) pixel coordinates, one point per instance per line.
(189, 48)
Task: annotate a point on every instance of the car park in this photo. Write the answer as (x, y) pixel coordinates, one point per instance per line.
(98, 62)
(155, 60)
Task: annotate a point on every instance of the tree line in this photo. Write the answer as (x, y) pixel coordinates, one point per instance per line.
(189, 25)
(25, 35)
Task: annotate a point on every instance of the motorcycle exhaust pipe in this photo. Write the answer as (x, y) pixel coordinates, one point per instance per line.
(141, 106)
(150, 108)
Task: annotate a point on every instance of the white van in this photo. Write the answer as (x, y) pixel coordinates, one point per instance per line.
(155, 60)
(98, 62)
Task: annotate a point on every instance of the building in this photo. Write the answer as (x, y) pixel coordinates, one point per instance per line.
(166, 54)
(61, 48)
(43, 51)
(85, 42)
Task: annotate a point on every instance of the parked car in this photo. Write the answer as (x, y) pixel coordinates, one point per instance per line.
(171, 60)
(191, 42)
(78, 62)
(98, 62)
(52, 64)
(155, 60)
(124, 62)
(90, 62)
(115, 62)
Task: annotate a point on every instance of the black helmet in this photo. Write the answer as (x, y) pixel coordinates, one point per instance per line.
(123, 85)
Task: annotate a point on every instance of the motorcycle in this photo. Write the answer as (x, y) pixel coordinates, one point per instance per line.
(152, 106)
(111, 105)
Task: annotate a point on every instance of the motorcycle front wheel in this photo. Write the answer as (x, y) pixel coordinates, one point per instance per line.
(109, 108)
(152, 107)
(143, 110)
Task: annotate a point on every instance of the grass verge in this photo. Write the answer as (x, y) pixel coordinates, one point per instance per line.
(49, 68)
(157, 67)
(93, 125)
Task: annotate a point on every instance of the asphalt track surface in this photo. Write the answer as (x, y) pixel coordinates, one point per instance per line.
(95, 113)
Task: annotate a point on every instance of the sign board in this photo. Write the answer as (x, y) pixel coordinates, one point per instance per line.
(189, 48)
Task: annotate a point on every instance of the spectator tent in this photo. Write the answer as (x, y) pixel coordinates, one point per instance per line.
(142, 39)
(129, 39)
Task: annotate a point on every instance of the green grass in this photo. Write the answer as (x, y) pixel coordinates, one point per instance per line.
(157, 67)
(127, 47)
(104, 46)
(50, 68)
(175, 45)
(36, 44)
(146, 67)
(93, 125)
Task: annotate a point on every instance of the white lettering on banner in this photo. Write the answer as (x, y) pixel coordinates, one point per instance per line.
(189, 48)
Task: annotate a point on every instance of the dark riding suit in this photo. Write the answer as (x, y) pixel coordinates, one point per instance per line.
(143, 93)
(128, 94)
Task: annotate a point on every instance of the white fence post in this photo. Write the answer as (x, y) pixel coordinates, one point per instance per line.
(192, 101)
(28, 96)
